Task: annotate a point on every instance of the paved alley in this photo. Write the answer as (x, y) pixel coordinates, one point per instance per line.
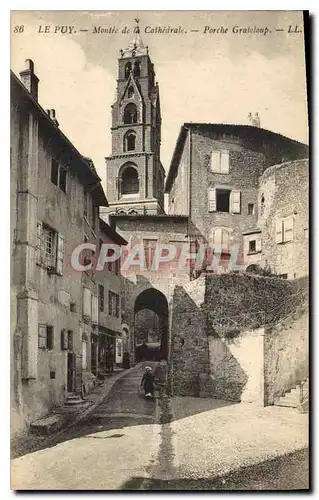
(130, 443)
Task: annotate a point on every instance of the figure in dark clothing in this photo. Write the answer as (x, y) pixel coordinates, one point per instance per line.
(126, 360)
(148, 382)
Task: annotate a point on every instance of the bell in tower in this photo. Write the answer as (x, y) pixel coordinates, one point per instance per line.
(135, 175)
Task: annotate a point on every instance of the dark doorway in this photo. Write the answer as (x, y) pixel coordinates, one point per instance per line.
(151, 325)
(71, 366)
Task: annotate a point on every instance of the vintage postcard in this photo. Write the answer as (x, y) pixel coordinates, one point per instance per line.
(159, 250)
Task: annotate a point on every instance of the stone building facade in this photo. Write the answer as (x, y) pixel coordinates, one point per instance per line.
(55, 199)
(283, 221)
(214, 179)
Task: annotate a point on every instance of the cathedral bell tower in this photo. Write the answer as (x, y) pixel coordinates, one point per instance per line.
(134, 173)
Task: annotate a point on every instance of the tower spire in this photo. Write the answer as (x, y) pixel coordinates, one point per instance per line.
(136, 47)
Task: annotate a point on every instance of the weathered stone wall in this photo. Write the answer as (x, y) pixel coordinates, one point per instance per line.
(285, 190)
(178, 197)
(189, 360)
(217, 333)
(286, 354)
(237, 367)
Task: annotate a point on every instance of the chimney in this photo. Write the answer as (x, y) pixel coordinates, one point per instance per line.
(51, 113)
(29, 79)
(256, 120)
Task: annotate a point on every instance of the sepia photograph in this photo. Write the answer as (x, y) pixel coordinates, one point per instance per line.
(159, 250)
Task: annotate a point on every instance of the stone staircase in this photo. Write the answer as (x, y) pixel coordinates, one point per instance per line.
(297, 397)
(74, 400)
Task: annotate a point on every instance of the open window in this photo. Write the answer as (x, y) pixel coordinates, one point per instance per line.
(128, 69)
(129, 180)
(130, 141)
(130, 114)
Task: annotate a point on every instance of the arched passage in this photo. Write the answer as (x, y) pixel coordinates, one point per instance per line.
(148, 330)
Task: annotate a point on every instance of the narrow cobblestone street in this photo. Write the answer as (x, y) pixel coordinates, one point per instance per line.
(130, 443)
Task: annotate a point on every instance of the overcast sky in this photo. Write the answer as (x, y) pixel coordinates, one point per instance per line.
(216, 78)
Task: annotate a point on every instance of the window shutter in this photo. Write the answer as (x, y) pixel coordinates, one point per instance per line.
(87, 302)
(235, 201)
(42, 336)
(215, 161)
(95, 309)
(279, 231)
(39, 242)
(64, 340)
(60, 254)
(224, 162)
(225, 239)
(117, 306)
(258, 245)
(288, 229)
(212, 200)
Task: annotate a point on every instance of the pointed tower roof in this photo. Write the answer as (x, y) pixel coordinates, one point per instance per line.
(136, 46)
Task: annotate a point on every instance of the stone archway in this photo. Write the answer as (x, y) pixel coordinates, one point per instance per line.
(153, 300)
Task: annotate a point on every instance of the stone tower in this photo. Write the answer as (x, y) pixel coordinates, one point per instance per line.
(134, 173)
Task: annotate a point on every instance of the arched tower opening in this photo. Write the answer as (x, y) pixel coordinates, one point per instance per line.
(151, 325)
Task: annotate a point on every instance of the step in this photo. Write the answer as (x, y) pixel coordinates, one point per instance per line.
(284, 402)
(47, 425)
(74, 402)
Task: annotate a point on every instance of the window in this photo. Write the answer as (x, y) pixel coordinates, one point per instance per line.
(252, 246)
(251, 209)
(220, 162)
(101, 298)
(128, 69)
(284, 230)
(130, 93)
(224, 200)
(72, 307)
(130, 113)
(62, 180)
(149, 251)
(50, 248)
(220, 237)
(70, 340)
(137, 68)
(129, 141)
(262, 204)
(114, 304)
(58, 175)
(95, 308)
(129, 181)
(306, 233)
(87, 302)
(45, 337)
(54, 171)
(64, 340)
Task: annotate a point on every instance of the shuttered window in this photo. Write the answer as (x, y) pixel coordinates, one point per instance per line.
(60, 254)
(212, 200)
(235, 202)
(284, 230)
(219, 162)
(87, 302)
(95, 314)
(288, 229)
